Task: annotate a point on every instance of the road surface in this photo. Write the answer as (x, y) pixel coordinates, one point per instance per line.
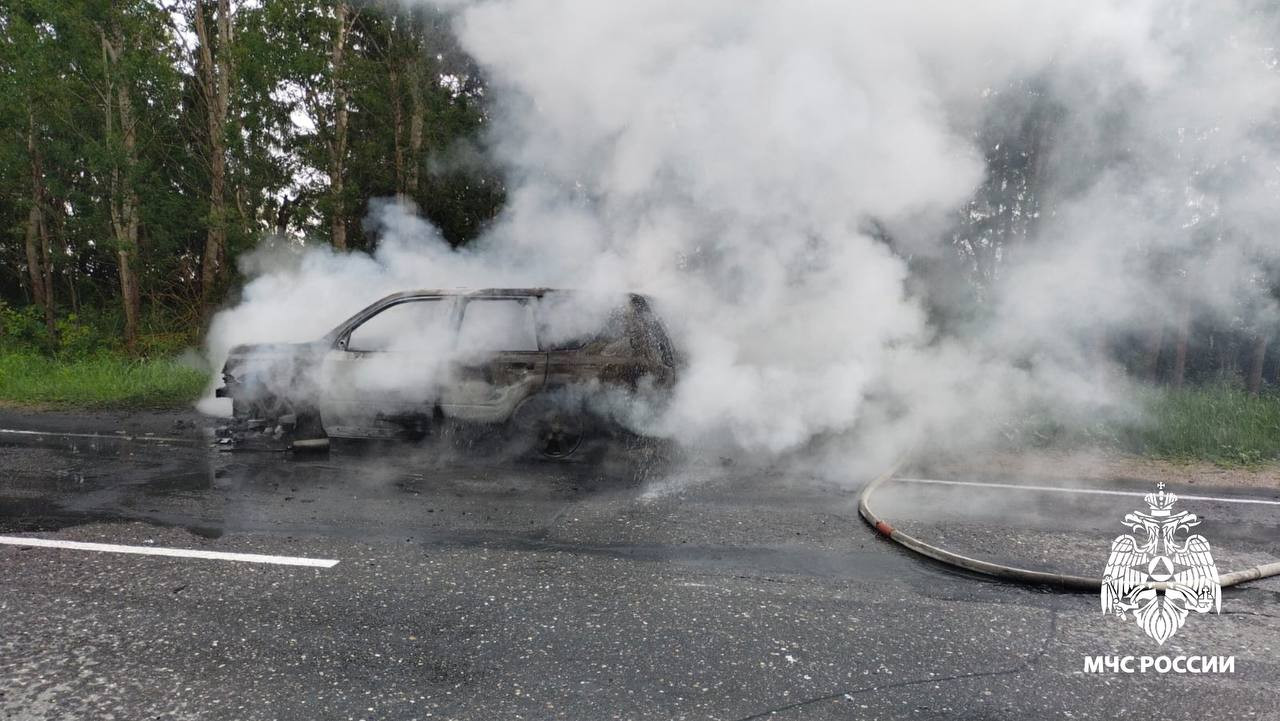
(471, 589)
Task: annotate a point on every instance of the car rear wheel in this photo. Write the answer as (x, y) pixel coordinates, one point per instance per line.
(559, 438)
(550, 430)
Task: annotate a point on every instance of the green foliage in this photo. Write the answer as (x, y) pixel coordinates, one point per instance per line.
(23, 328)
(77, 339)
(1220, 422)
(165, 344)
(87, 367)
(95, 381)
(54, 81)
(80, 336)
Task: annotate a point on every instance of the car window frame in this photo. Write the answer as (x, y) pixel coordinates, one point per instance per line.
(620, 314)
(529, 305)
(343, 341)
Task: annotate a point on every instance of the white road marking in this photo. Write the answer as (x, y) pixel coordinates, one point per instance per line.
(175, 552)
(98, 436)
(1095, 491)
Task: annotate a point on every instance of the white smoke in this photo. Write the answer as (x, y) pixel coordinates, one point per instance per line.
(743, 162)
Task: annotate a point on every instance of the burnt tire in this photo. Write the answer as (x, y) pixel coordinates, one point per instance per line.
(267, 408)
(307, 434)
(548, 428)
(271, 422)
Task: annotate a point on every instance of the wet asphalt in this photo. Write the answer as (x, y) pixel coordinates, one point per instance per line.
(469, 587)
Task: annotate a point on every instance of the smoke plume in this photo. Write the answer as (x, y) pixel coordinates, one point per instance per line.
(803, 187)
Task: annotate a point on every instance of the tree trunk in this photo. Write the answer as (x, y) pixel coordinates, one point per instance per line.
(124, 197)
(1180, 347)
(1224, 355)
(34, 265)
(127, 230)
(338, 143)
(416, 117)
(39, 259)
(283, 215)
(337, 224)
(1276, 378)
(50, 317)
(1154, 347)
(215, 85)
(130, 297)
(397, 127)
(71, 290)
(1257, 361)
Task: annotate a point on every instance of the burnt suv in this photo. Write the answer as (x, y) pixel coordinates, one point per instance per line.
(549, 368)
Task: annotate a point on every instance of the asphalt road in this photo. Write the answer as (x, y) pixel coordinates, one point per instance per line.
(474, 589)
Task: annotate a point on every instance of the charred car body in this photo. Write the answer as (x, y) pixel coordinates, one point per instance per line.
(546, 367)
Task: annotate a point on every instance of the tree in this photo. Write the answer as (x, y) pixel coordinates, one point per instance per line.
(27, 53)
(215, 84)
(39, 261)
(145, 144)
(336, 140)
(120, 129)
(1257, 360)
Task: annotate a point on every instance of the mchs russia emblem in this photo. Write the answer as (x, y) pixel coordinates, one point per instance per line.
(1157, 577)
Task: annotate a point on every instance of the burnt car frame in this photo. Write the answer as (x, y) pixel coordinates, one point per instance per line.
(423, 362)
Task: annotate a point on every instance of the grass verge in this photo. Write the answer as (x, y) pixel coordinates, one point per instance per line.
(100, 381)
(1219, 423)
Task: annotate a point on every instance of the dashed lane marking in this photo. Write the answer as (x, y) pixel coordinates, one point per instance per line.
(172, 552)
(95, 436)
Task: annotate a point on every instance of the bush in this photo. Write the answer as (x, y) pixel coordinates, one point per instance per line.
(88, 334)
(100, 380)
(86, 365)
(77, 339)
(24, 328)
(164, 344)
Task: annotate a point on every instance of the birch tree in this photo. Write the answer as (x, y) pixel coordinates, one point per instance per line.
(214, 69)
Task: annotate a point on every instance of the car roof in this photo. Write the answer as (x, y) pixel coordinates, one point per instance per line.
(481, 293)
(471, 293)
(378, 305)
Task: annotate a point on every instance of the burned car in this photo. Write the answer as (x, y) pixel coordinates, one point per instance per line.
(548, 368)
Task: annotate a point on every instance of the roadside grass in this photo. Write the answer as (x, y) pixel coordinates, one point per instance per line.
(1217, 422)
(102, 380)
(1220, 422)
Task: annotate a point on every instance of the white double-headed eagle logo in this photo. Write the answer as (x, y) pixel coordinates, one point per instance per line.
(1158, 578)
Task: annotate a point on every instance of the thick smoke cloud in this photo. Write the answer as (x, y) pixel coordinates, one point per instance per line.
(775, 174)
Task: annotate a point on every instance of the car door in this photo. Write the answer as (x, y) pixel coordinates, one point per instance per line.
(382, 377)
(585, 338)
(497, 362)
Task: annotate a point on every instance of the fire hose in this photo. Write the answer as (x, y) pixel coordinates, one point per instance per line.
(1013, 573)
